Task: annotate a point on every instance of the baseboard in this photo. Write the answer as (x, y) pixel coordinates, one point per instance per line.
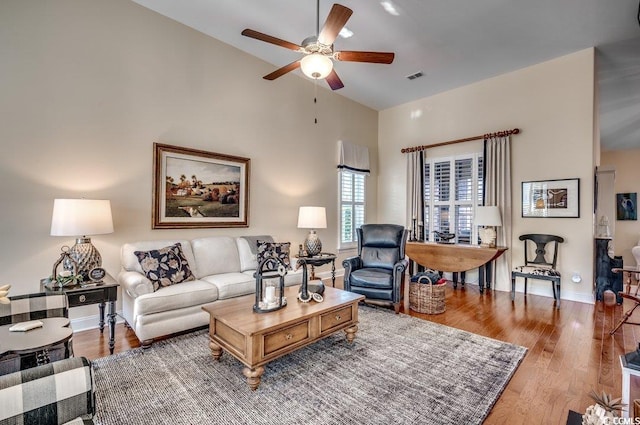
(566, 295)
(92, 322)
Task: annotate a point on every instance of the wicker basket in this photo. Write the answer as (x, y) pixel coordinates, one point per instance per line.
(427, 298)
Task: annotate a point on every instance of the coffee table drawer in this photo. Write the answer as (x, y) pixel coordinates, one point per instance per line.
(286, 337)
(335, 318)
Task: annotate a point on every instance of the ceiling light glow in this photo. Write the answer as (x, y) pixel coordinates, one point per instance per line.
(389, 8)
(345, 32)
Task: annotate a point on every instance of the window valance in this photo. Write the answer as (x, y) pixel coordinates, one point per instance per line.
(354, 158)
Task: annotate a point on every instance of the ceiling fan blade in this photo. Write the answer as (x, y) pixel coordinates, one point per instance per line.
(334, 81)
(273, 40)
(338, 16)
(371, 57)
(281, 71)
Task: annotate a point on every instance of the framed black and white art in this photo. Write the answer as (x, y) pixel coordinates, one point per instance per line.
(551, 198)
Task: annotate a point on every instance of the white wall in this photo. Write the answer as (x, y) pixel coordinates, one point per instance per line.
(88, 87)
(552, 103)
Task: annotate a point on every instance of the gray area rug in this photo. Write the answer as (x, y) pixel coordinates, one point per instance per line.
(399, 370)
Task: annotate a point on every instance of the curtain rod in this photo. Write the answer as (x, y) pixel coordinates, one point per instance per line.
(468, 139)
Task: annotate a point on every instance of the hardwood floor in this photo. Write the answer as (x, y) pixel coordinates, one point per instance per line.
(569, 353)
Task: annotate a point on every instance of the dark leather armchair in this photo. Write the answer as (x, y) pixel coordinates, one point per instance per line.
(378, 270)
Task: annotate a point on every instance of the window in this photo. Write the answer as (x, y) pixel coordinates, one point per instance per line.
(452, 190)
(352, 207)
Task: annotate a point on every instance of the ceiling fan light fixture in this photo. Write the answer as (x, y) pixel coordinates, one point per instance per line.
(316, 66)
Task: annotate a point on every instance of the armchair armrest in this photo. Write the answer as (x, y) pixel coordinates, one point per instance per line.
(134, 283)
(400, 266)
(350, 264)
(40, 386)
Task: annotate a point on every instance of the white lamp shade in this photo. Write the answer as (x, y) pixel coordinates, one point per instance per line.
(316, 66)
(488, 216)
(312, 218)
(80, 217)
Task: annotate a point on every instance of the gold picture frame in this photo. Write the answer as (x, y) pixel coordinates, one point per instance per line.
(193, 188)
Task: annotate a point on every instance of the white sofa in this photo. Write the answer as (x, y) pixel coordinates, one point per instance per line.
(223, 267)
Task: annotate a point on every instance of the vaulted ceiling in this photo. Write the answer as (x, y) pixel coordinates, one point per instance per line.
(452, 42)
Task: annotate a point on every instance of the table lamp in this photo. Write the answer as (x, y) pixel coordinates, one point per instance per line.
(489, 217)
(312, 218)
(82, 217)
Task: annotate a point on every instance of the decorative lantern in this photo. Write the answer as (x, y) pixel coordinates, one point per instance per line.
(270, 285)
(69, 275)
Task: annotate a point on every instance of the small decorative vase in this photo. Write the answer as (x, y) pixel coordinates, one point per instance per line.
(313, 244)
(597, 415)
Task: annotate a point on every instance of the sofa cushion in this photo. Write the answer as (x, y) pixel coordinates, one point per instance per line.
(130, 262)
(232, 285)
(216, 254)
(166, 266)
(271, 251)
(187, 294)
(248, 251)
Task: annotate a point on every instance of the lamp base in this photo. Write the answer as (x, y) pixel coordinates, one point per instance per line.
(86, 256)
(487, 237)
(312, 244)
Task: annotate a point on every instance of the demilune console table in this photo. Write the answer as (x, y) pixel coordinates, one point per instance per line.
(456, 258)
(101, 293)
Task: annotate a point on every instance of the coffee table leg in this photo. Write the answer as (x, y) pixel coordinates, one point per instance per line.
(253, 376)
(216, 350)
(351, 333)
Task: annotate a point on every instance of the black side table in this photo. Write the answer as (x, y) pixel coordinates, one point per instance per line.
(100, 294)
(23, 350)
(319, 260)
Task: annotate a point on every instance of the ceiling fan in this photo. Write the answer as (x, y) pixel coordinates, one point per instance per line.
(317, 62)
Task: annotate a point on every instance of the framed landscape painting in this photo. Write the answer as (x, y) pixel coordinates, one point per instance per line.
(551, 198)
(197, 189)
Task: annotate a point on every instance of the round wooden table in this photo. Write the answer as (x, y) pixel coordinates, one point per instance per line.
(55, 331)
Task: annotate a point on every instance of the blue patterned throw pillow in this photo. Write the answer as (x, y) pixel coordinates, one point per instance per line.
(270, 251)
(166, 266)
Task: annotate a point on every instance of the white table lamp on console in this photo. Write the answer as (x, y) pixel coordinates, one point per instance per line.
(489, 217)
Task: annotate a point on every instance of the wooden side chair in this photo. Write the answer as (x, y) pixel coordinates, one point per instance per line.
(536, 265)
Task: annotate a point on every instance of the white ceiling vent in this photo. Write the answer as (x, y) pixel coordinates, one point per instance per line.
(416, 75)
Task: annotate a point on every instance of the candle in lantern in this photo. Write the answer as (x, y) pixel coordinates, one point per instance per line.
(270, 294)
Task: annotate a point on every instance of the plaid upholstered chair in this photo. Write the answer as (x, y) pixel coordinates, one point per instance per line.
(61, 392)
(23, 308)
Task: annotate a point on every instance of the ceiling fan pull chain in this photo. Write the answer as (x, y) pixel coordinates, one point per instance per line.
(315, 100)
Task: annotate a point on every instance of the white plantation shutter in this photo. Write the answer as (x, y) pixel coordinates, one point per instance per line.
(352, 206)
(452, 189)
(465, 190)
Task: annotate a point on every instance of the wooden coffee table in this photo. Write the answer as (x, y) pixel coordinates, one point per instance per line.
(258, 338)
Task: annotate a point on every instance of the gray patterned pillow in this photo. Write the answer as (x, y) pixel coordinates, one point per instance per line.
(271, 251)
(166, 266)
